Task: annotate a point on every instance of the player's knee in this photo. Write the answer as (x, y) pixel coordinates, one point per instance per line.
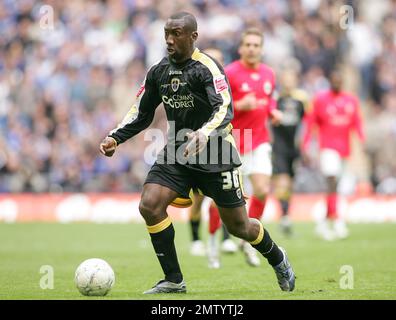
(282, 193)
(195, 215)
(262, 193)
(149, 207)
(332, 184)
(144, 208)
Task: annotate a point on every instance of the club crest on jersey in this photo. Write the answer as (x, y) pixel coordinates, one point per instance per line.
(267, 87)
(175, 83)
(220, 83)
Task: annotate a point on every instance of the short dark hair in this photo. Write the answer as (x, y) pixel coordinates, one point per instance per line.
(252, 31)
(189, 20)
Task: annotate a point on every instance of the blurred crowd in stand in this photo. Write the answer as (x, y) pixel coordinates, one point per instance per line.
(69, 71)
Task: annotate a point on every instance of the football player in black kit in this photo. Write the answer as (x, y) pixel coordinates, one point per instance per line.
(293, 103)
(200, 153)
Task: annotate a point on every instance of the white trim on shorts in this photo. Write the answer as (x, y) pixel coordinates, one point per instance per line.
(257, 161)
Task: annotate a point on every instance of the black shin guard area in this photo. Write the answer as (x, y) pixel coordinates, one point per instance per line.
(164, 246)
(269, 250)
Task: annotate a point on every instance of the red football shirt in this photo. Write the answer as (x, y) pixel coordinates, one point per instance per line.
(335, 115)
(252, 123)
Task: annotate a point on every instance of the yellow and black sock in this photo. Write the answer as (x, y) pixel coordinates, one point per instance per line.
(162, 237)
(267, 247)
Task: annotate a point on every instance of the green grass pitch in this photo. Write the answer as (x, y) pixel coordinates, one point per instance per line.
(24, 248)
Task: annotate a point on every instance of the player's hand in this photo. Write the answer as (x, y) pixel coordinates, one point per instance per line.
(197, 142)
(248, 102)
(276, 117)
(108, 146)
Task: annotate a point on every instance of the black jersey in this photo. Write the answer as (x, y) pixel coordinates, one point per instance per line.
(293, 106)
(196, 95)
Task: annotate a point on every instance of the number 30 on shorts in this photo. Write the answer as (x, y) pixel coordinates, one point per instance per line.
(230, 179)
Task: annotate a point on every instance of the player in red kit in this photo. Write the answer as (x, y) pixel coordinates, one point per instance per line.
(252, 86)
(335, 114)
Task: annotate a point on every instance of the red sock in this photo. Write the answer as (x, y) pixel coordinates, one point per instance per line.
(214, 219)
(332, 205)
(256, 208)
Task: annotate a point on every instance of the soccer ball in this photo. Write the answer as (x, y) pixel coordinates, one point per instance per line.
(94, 277)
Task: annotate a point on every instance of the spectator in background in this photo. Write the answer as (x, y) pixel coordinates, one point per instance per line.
(382, 127)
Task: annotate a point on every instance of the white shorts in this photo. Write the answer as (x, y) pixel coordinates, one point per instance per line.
(257, 161)
(331, 163)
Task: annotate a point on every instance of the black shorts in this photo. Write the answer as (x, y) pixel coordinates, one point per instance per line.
(283, 163)
(223, 187)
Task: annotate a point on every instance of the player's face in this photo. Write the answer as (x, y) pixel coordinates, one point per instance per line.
(250, 49)
(336, 81)
(288, 80)
(179, 40)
